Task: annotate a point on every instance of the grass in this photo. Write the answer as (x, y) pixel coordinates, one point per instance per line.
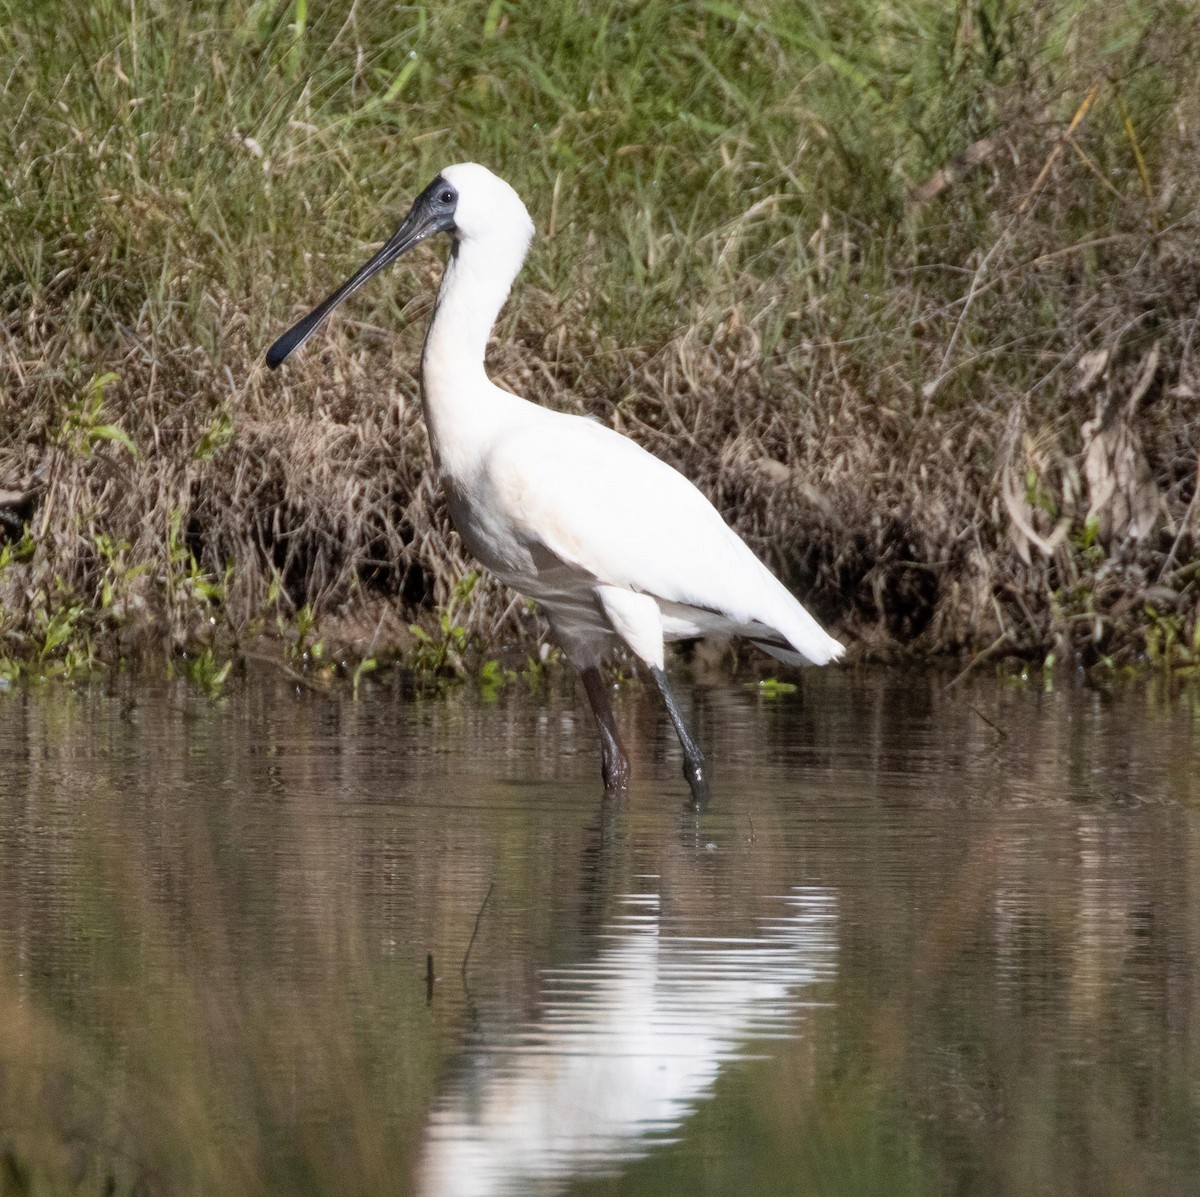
(846, 264)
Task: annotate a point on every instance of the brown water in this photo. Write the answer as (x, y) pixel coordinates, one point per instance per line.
(924, 941)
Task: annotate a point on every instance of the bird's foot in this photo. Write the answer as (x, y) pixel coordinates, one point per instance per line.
(695, 773)
(615, 771)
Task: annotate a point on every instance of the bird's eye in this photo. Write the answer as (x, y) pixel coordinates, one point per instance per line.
(447, 196)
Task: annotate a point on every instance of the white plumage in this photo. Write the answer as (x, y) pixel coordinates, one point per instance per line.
(615, 545)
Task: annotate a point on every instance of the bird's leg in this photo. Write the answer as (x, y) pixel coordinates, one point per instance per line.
(614, 764)
(694, 768)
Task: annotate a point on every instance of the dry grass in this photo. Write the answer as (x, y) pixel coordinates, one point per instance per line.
(850, 275)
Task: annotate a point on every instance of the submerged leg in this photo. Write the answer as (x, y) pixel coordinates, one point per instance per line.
(614, 765)
(694, 768)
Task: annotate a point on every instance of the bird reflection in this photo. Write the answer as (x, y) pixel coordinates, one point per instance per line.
(626, 1047)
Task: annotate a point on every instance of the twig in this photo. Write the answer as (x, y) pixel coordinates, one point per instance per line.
(475, 931)
(1056, 153)
(974, 155)
(1184, 525)
(249, 654)
(998, 730)
(1143, 173)
(987, 652)
(931, 388)
(1086, 159)
(1187, 345)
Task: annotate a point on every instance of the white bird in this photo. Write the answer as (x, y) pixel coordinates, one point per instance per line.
(613, 544)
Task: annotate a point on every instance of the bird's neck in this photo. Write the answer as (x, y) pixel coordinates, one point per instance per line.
(474, 287)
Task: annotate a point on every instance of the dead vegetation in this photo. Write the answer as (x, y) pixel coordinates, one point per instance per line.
(959, 416)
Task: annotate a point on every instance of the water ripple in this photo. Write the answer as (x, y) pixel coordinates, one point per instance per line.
(625, 1048)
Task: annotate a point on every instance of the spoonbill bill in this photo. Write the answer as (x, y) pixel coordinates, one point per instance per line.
(615, 545)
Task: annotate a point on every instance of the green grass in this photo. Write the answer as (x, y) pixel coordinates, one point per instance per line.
(736, 265)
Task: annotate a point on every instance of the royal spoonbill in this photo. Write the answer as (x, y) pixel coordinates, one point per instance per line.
(613, 544)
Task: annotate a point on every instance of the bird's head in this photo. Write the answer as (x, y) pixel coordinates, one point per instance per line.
(486, 207)
(466, 201)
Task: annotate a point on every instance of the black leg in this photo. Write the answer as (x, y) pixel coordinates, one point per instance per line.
(694, 768)
(614, 765)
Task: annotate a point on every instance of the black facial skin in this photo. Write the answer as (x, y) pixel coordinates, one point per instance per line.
(432, 212)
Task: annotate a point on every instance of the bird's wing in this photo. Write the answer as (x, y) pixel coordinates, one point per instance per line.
(596, 499)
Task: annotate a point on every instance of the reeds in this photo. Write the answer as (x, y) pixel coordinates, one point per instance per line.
(847, 266)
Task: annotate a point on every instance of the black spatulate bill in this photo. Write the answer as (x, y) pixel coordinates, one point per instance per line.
(432, 212)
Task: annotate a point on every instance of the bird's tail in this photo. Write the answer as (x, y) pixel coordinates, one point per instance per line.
(814, 651)
(791, 634)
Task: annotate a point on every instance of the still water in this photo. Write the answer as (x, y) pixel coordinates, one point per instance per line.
(925, 940)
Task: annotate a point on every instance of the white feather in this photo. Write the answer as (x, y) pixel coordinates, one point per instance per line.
(567, 511)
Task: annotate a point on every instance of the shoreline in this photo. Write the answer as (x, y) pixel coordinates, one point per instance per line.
(936, 361)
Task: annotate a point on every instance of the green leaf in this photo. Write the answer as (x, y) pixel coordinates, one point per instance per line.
(113, 432)
(402, 77)
(491, 20)
(727, 12)
(365, 666)
(771, 687)
(214, 439)
(98, 384)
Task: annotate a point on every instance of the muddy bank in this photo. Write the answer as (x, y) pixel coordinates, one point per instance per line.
(947, 386)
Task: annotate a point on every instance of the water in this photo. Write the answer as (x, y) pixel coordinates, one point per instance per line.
(924, 941)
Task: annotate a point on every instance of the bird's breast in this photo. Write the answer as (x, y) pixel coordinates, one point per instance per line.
(488, 534)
